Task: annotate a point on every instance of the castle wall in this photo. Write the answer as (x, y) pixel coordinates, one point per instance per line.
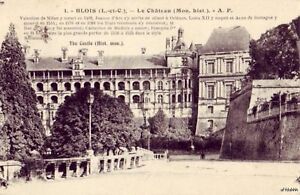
(267, 138)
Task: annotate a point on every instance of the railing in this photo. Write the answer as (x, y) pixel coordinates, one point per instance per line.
(274, 112)
(161, 155)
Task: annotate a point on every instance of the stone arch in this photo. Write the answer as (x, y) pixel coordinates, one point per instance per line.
(173, 98)
(121, 85)
(54, 99)
(179, 98)
(160, 85)
(122, 97)
(146, 85)
(179, 84)
(87, 85)
(40, 99)
(136, 99)
(53, 86)
(77, 86)
(40, 87)
(136, 85)
(106, 86)
(67, 86)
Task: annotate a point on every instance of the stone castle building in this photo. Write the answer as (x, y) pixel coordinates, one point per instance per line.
(223, 63)
(187, 81)
(145, 83)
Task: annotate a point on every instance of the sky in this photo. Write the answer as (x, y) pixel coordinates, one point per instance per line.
(197, 31)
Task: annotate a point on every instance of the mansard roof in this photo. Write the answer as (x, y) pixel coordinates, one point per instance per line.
(110, 62)
(235, 38)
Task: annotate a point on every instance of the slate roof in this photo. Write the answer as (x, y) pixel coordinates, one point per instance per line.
(235, 38)
(110, 62)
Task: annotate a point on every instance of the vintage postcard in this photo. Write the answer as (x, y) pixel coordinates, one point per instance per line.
(149, 97)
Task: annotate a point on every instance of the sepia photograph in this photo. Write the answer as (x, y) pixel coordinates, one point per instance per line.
(149, 97)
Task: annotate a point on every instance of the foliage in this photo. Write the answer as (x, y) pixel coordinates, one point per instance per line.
(274, 54)
(112, 125)
(158, 123)
(22, 128)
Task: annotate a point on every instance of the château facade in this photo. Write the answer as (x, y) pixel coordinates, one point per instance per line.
(145, 83)
(223, 64)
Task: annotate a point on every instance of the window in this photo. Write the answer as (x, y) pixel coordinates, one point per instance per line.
(54, 99)
(67, 87)
(210, 67)
(173, 85)
(229, 66)
(228, 89)
(106, 86)
(146, 85)
(210, 109)
(160, 85)
(211, 92)
(97, 85)
(77, 86)
(40, 99)
(122, 98)
(40, 87)
(77, 73)
(136, 99)
(53, 87)
(136, 85)
(160, 99)
(210, 123)
(179, 98)
(179, 84)
(87, 85)
(76, 67)
(173, 99)
(121, 86)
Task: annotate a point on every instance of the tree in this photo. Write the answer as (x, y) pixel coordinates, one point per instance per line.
(274, 54)
(22, 126)
(158, 123)
(112, 125)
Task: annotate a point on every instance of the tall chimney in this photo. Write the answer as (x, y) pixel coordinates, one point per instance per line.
(25, 49)
(168, 44)
(174, 41)
(36, 56)
(64, 57)
(100, 57)
(143, 49)
(82, 53)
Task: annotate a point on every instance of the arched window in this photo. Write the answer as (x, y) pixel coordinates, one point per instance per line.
(186, 83)
(146, 85)
(136, 99)
(121, 86)
(136, 85)
(106, 86)
(40, 87)
(87, 85)
(179, 98)
(53, 86)
(179, 84)
(67, 87)
(160, 85)
(173, 99)
(160, 99)
(173, 84)
(190, 83)
(40, 99)
(77, 86)
(66, 97)
(54, 99)
(97, 85)
(122, 97)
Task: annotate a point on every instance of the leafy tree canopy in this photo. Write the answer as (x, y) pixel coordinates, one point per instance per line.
(22, 131)
(274, 55)
(112, 125)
